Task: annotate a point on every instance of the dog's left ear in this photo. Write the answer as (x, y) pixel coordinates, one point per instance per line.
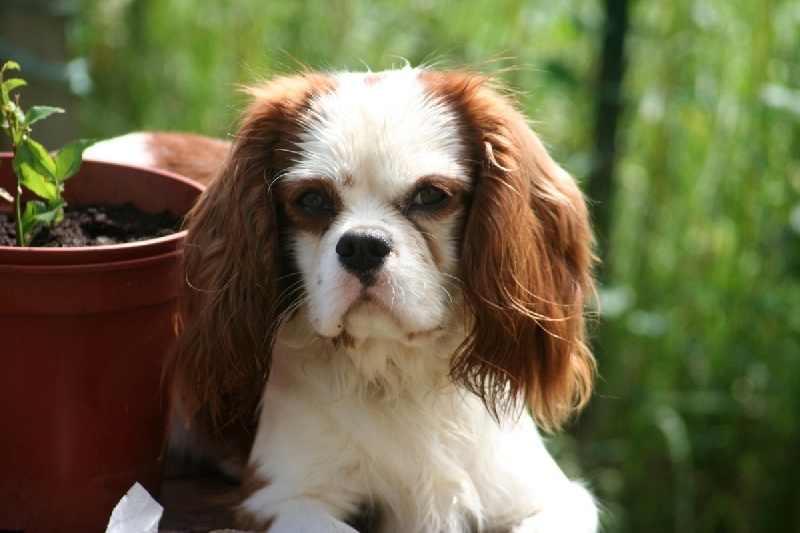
(237, 287)
(525, 265)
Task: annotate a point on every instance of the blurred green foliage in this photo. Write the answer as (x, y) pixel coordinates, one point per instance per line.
(695, 424)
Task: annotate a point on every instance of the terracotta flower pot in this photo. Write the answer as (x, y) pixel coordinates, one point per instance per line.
(82, 335)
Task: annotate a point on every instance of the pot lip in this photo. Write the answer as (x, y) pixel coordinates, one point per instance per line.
(11, 256)
(53, 268)
(49, 257)
(46, 250)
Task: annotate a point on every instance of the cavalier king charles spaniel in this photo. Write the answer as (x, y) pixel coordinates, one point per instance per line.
(385, 283)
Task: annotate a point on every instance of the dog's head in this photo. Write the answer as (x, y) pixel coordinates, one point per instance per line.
(388, 207)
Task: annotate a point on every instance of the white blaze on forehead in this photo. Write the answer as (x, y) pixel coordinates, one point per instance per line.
(384, 131)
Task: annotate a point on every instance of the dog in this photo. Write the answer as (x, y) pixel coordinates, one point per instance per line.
(385, 283)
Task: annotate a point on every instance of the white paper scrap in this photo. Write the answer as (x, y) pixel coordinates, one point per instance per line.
(136, 512)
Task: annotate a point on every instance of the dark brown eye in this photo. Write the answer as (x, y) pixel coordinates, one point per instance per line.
(313, 201)
(429, 196)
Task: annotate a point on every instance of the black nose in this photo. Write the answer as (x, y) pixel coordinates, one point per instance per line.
(362, 251)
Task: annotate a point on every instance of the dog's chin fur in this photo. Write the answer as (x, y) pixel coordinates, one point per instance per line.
(385, 281)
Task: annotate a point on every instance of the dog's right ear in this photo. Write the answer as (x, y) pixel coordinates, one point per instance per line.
(237, 279)
(526, 263)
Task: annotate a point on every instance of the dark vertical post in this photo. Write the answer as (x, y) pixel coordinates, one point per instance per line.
(607, 112)
(600, 186)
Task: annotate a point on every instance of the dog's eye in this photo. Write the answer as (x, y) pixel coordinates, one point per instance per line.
(429, 196)
(313, 201)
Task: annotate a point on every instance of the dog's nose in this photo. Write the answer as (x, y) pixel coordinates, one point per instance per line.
(362, 251)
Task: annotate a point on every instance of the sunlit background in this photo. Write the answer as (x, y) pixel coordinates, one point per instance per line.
(681, 119)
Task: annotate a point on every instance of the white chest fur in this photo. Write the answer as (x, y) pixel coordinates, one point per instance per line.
(426, 455)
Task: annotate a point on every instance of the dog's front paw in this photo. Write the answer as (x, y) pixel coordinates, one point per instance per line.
(575, 512)
(326, 525)
(292, 516)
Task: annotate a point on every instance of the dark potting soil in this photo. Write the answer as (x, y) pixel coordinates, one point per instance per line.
(96, 225)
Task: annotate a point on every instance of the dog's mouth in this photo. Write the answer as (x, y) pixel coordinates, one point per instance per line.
(368, 304)
(367, 313)
(369, 318)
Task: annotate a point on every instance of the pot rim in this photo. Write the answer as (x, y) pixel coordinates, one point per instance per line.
(11, 256)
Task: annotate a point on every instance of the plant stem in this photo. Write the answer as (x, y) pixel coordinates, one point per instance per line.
(17, 204)
(14, 127)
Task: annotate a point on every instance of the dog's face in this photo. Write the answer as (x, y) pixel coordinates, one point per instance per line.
(395, 207)
(375, 200)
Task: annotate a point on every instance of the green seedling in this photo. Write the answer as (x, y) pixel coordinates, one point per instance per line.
(36, 170)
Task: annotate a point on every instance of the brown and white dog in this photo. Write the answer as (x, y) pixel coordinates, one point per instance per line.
(387, 275)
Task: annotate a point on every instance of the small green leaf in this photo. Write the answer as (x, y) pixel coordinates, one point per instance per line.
(33, 209)
(10, 65)
(57, 207)
(39, 112)
(13, 83)
(54, 212)
(68, 159)
(45, 217)
(38, 183)
(35, 155)
(37, 213)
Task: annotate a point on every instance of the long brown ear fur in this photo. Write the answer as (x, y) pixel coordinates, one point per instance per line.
(525, 263)
(237, 281)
